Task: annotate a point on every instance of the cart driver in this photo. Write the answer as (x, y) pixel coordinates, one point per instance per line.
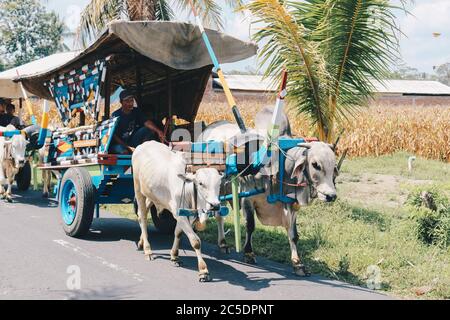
(133, 128)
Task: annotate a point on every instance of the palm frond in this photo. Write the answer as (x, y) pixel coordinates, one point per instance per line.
(363, 49)
(139, 10)
(96, 16)
(99, 13)
(163, 11)
(209, 10)
(287, 46)
(359, 41)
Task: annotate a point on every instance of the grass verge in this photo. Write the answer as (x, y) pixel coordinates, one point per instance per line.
(350, 238)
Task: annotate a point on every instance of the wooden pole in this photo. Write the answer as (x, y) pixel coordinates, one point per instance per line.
(82, 118)
(34, 163)
(236, 213)
(138, 84)
(21, 111)
(107, 93)
(169, 102)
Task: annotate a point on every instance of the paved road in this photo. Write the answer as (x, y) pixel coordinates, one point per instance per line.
(37, 259)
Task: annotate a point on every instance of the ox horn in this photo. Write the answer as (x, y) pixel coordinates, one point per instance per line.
(334, 145)
(306, 145)
(341, 160)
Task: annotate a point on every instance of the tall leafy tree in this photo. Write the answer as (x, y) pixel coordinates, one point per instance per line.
(443, 73)
(2, 65)
(28, 31)
(98, 13)
(332, 50)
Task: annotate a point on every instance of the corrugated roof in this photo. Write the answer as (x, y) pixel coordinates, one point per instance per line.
(247, 83)
(417, 87)
(11, 89)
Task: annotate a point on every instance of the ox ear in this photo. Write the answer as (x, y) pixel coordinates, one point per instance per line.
(187, 177)
(299, 166)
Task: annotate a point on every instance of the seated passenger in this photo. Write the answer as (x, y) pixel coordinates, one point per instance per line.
(10, 118)
(133, 128)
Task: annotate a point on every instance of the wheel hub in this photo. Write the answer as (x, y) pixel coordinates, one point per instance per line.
(69, 203)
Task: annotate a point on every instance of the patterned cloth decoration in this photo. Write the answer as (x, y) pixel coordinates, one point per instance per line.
(79, 90)
(78, 146)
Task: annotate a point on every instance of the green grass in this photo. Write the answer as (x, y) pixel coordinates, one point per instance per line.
(341, 236)
(397, 164)
(342, 240)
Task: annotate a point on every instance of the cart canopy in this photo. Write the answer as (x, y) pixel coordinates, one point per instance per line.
(166, 63)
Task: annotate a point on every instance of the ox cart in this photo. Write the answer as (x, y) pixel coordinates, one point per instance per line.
(168, 68)
(167, 65)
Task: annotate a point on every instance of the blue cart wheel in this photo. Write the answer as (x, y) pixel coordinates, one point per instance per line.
(77, 202)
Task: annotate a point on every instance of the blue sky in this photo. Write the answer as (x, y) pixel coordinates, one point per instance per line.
(419, 48)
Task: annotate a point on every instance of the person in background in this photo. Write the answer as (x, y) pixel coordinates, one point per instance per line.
(11, 117)
(3, 113)
(133, 128)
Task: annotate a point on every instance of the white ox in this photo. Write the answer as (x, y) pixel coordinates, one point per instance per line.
(310, 170)
(160, 179)
(12, 159)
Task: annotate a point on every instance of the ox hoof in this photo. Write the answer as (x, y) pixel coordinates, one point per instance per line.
(250, 258)
(176, 263)
(149, 257)
(205, 277)
(301, 271)
(45, 195)
(9, 199)
(139, 246)
(225, 249)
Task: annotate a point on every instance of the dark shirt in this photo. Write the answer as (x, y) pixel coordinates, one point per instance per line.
(6, 119)
(3, 120)
(128, 123)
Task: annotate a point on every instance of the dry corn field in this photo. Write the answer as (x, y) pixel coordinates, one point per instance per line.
(378, 130)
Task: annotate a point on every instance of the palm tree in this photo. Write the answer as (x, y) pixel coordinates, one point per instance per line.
(98, 13)
(332, 49)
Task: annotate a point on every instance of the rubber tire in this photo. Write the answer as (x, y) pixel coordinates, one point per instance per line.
(82, 180)
(23, 178)
(164, 223)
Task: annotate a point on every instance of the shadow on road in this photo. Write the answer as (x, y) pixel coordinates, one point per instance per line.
(31, 198)
(223, 267)
(227, 268)
(220, 265)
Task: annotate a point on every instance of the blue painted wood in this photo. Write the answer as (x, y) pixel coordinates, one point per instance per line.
(208, 147)
(244, 194)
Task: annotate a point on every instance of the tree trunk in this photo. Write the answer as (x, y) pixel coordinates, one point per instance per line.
(332, 106)
(139, 10)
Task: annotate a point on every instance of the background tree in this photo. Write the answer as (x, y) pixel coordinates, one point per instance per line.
(27, 31)
(2, 65)
(404, 72)
(98, 13)
(443, 73)
(332, 50)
